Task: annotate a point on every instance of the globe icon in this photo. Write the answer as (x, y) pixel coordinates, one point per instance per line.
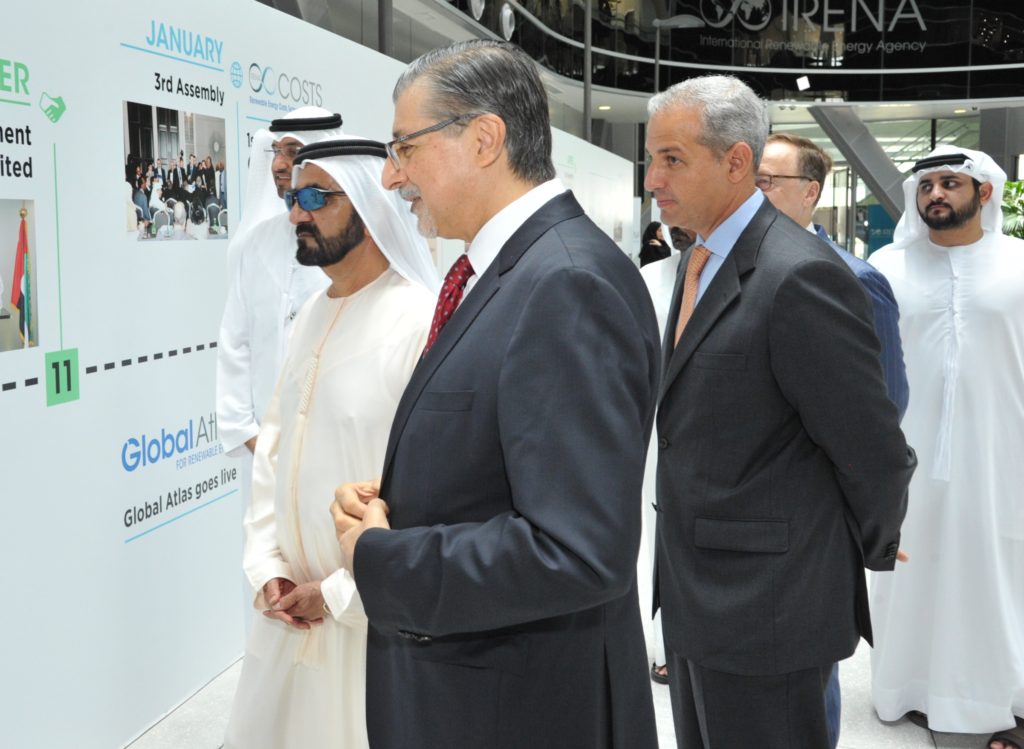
(755, 14)
(236, 74)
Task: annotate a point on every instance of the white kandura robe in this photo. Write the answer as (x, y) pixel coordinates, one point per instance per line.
(949, 624)
(660, 277)
(327, 424)
(266, 289)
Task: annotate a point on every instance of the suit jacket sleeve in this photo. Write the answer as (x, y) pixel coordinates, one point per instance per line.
(576, 394)
(819, 368)
(887, 319)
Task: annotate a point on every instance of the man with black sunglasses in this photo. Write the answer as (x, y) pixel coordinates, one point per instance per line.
(266, 287)
(352, 350)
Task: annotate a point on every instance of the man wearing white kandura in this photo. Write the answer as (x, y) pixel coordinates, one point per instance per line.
(351, 354)
(949, 627)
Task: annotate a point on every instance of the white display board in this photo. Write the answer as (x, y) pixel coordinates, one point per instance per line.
(120, 539)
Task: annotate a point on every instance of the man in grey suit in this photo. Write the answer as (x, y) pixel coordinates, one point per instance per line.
(782, 470)
(501, 586)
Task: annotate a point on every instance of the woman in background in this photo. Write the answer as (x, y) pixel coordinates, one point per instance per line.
(653, 245)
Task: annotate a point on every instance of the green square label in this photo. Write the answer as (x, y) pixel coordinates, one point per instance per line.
(61, 377)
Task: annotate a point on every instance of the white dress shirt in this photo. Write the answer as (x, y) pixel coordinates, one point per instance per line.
(499, 229)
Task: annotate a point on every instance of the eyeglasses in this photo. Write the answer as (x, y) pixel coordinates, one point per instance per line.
(767, 181)
(309, 198)
(390, 146)
(288, 151)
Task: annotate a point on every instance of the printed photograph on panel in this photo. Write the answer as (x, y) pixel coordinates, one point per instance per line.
(175, 183)
(19, 326)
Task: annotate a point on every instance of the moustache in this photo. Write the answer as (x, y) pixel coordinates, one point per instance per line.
(307, 228)
(935, 203)
(408, 192)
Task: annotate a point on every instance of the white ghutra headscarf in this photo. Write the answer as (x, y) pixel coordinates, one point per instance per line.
(306, 125)
(912, 229)
(980, 166)
(356, 164)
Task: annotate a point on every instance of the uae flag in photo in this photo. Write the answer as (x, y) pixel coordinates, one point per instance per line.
(21, 297)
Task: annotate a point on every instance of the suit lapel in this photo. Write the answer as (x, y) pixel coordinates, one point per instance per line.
(724, 288)
(556, 210)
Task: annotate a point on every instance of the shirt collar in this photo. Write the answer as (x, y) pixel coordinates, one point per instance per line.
(724, 237)
(499, 229)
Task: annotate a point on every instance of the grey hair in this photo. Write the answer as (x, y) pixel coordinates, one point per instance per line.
(730, 112)
(490, 77)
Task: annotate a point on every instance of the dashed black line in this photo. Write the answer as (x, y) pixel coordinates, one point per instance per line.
(157, 356)
(107, 366)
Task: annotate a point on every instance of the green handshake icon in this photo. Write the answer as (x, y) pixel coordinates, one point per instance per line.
(53, 107)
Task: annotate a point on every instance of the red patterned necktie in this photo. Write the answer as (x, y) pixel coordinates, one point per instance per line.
(451, 295)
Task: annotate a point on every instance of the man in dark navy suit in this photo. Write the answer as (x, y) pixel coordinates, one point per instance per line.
(501, 586)
(791, 175)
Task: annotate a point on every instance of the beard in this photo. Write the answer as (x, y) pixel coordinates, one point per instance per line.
(329, 250)
(955, 217)
(425, 223)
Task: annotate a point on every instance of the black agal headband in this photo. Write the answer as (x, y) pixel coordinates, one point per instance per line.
(301, 124)
(945, 159)
(341, 147)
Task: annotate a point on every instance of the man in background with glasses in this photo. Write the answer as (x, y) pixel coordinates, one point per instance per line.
(352, 350)
(266, 287)
(792, 175)
(501, 586)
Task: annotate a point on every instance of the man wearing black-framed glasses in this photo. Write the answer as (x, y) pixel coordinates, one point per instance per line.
(266, 286)
(401, 146)
(501, 588)
(797, 195)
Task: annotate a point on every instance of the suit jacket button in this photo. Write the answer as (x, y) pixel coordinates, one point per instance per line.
(662, 443)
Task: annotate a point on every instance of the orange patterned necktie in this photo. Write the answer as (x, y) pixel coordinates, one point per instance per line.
(451, 295)
(698, 259)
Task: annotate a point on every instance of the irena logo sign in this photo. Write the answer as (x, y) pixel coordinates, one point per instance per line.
(830, 15)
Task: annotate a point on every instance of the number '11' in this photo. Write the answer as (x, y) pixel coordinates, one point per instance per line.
(56, 374)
